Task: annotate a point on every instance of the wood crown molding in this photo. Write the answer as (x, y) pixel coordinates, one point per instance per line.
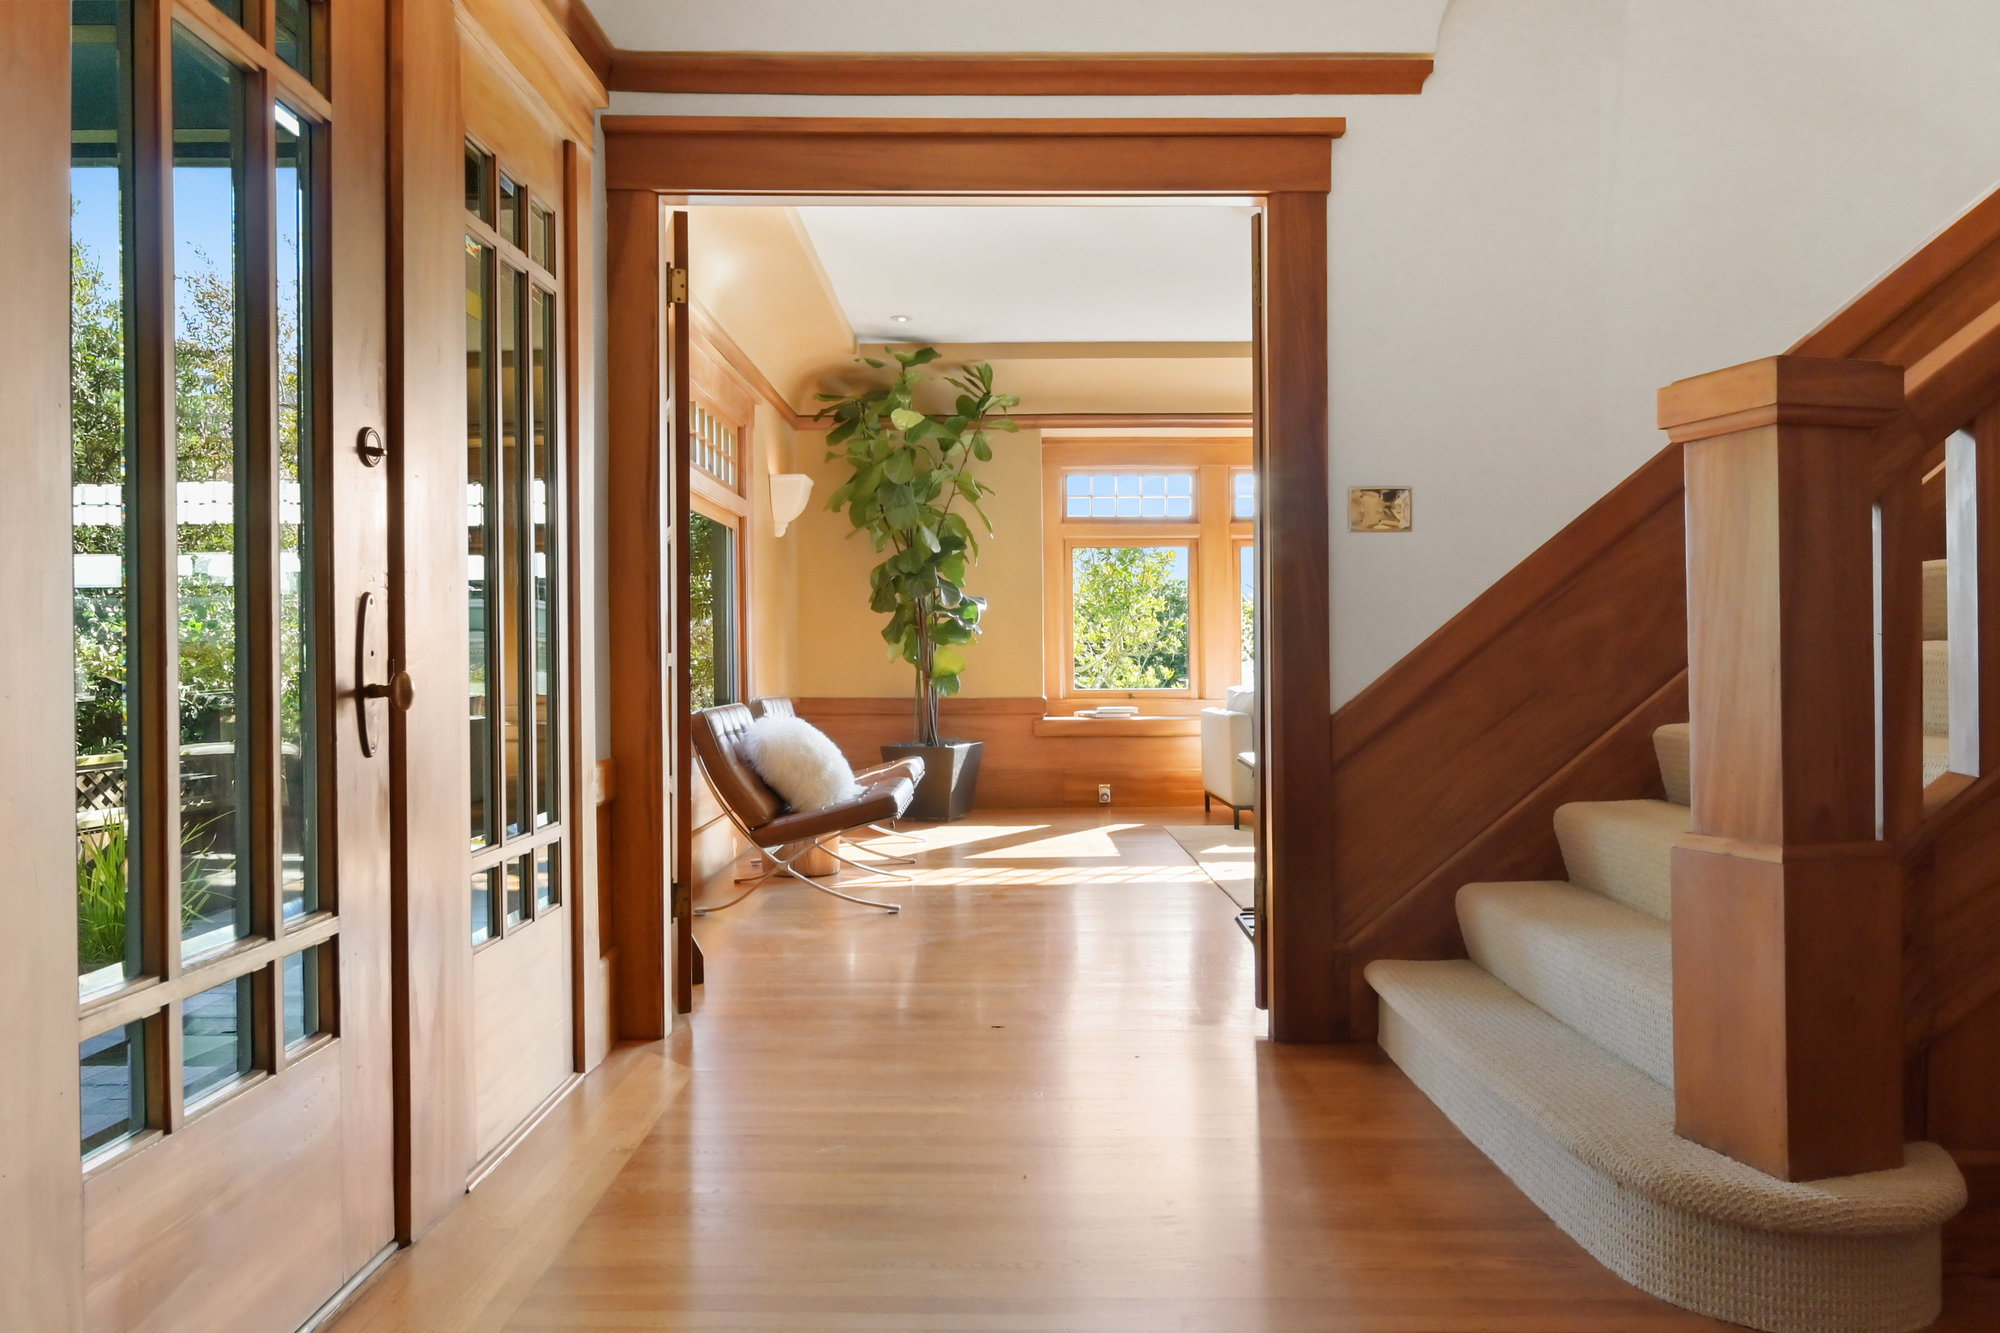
(1017, 74)
(993, 127)
(585, 34)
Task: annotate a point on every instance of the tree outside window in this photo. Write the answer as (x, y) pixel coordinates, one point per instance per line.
(1129, 617)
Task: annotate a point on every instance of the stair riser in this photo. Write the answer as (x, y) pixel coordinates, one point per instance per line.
(1620, 996)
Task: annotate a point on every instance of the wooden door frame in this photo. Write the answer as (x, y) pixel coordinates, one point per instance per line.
(1284, 163)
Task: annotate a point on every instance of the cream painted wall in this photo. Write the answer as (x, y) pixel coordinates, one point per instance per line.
(841, 649)
(774, 560)
(1590, 199)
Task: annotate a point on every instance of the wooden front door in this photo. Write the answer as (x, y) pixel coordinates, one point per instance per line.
(223, 539)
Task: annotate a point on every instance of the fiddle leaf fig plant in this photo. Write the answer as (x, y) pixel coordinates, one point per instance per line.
(910, 473)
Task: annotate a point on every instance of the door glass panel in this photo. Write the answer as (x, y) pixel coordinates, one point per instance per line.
(103, 498)
(542, 237)
(295, 35)
(517, 891)
(513, 681)
(711, 612)
(548, 877)
(210, 447)
(233, 8)
(483, 902)
(541, 578)
(478, 175)
(301, 982)
(510, 210)
(215, 1038)
(1129, 617)
(112, 1083)
(295, 501)
(478, 397)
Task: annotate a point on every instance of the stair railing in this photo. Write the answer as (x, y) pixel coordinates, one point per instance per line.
(1806, 680)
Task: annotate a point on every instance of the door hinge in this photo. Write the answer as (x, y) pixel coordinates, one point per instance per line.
(677, 285)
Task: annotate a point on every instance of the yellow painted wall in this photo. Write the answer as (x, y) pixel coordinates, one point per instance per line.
(841, 650)
(773, 560)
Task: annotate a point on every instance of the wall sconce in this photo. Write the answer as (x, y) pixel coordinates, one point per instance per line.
(789, 492)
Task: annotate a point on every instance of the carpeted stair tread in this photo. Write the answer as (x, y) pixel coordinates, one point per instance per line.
(1935, 600)
(1597, 965)
(1591, 1141)
(1937, 688)
(1671, 744)
(1623, 849)
(1937, 757)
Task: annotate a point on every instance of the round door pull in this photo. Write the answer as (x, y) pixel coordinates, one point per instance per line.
(369, 445)
(398, 690)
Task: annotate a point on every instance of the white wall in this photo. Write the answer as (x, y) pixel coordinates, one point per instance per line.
(1591, 198)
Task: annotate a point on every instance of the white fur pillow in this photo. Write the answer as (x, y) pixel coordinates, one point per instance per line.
(799, 763)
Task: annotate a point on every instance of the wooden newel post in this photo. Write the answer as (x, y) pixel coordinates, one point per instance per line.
(1787, 908)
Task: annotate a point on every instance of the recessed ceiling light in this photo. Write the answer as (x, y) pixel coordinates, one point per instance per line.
(899, 319)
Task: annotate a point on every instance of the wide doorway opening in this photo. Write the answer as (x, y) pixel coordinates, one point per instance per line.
(1082, 377)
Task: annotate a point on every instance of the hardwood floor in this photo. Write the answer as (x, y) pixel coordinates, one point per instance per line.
(1037, 1099)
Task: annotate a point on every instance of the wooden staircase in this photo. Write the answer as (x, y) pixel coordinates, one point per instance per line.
(1729, 980)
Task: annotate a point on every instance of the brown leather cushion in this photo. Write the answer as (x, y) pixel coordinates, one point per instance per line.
(776, 705)
(716, 733)
(883, 800)
(911, 768)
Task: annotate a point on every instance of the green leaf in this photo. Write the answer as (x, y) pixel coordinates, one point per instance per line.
(872, 363)
(946, 662)
(982, 450)
(905, 418)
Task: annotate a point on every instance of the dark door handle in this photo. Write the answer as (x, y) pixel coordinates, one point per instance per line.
(371, 696)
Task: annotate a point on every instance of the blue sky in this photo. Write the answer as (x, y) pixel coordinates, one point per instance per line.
(203, 209)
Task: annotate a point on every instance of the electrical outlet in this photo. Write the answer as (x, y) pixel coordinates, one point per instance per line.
(1104, 793)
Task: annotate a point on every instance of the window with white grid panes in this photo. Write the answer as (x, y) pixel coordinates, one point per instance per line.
(718, 446)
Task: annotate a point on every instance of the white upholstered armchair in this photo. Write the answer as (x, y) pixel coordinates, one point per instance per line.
(1228, 737)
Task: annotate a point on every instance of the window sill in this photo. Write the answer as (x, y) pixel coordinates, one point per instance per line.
(1081, 727)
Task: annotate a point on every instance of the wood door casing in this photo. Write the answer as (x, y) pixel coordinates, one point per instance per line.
(41, 1208)
(1287, 163)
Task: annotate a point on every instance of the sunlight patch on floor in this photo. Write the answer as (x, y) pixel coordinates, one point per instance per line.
(1083, 842)
(958, 835)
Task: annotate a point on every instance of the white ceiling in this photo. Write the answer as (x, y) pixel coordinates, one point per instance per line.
(1038, 273)
(1022, 25)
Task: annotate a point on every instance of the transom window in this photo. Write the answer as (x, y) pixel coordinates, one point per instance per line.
(1128, 495)
(513, 549)
(206, 927)
(1148, 542)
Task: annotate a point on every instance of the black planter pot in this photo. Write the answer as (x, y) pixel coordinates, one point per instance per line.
(951, 776)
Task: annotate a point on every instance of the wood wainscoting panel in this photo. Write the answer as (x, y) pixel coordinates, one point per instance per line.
(1022, 769)
(1545, 689)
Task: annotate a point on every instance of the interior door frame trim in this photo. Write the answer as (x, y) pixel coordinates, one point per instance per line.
(1284, 163)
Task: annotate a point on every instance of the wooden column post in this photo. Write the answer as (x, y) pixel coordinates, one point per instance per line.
(1787, 927)
(641, 609)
